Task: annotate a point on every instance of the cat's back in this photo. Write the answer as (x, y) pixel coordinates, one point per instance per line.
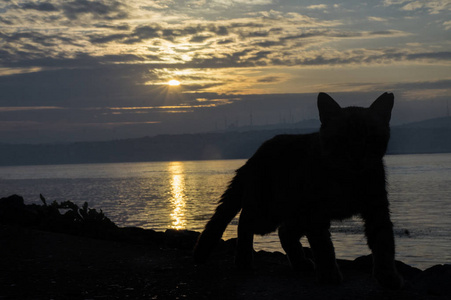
(275, 175)
(284, 152)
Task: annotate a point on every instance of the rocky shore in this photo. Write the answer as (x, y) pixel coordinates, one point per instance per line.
(62, 251)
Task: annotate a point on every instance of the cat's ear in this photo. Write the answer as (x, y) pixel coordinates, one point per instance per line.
(327, 107)
(383, 106)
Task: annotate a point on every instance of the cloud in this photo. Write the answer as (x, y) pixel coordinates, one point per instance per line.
(108, 77)
(200, 38)
(427, 85)
(241, 35)
(105, 9)
(40, 6)
(242, 28)
(432, 56)
(85, 56)
(120, 27)
(225, 41)
(269, 79)
(394, 2)
(27, 108)
(77, 87)
(377, 19)
(103, 39)
(317, 6)
(46, 40)
(195, 33)
(423, 91)
(431, 6)
(66, 12)
(364, 56)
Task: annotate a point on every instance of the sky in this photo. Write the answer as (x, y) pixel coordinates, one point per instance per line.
(82, 70)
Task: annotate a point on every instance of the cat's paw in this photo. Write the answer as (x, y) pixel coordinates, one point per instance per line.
(389, 279)
(302, 265)
(329, 276)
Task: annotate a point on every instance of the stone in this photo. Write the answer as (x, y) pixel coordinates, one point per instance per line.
(435, 281)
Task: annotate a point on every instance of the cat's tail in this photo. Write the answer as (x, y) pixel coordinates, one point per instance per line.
(230, 205)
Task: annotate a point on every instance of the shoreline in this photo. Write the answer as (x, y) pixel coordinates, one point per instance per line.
(37, 164)
(141, 263)
(81, 254)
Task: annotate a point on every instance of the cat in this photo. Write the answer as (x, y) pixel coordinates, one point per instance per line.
(299, 183)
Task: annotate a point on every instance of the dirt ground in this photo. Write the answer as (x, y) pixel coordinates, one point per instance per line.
(44, 265)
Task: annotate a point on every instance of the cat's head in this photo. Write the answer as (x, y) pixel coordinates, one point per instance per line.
(355, 135)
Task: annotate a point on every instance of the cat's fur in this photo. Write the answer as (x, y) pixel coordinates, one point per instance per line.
(299, 183)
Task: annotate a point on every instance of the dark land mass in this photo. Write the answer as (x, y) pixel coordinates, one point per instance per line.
(81, 254)
(431, 136)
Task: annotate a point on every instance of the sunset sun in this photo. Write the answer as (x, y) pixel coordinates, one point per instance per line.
(173, 82)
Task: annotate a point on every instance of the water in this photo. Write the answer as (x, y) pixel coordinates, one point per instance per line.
(183, 195)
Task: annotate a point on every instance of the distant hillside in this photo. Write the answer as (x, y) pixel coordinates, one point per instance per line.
(430, 136)
(311, 124)
(437, 123)
(203, 146)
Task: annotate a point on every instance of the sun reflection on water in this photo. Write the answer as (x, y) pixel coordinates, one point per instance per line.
(178, 195)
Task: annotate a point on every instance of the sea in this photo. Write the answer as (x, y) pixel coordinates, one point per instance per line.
(184, 194)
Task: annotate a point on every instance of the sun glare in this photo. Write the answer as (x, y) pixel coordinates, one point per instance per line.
(174, 82)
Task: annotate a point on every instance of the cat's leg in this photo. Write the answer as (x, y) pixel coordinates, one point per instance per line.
(379, 234)
(290, 240)
(244, 248)
(323, 250)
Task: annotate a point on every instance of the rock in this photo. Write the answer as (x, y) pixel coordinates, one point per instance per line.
(365, 264)
(408, 272)
(14, 211)
(435, 281)
(181, 239)
(141, 236)
(227, 247)
(273, 257)
(12, 202)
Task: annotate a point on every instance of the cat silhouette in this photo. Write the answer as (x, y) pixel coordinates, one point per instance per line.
(297, 184)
